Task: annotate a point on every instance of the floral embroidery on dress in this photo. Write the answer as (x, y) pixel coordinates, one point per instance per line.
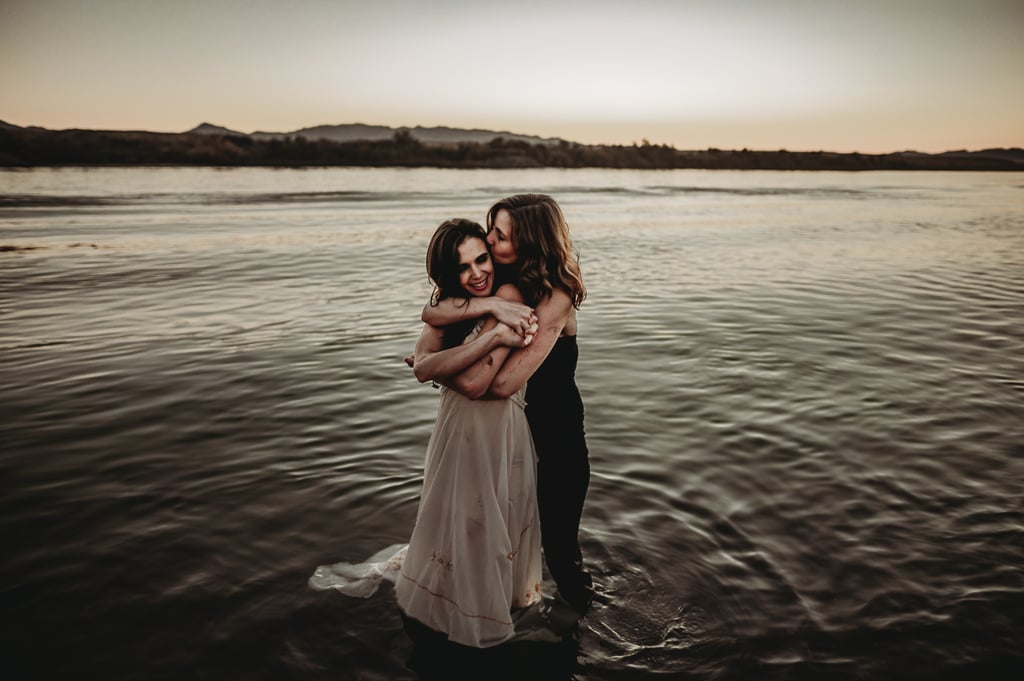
(442, 561)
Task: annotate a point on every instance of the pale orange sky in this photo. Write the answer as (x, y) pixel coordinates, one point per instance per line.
(870, 76)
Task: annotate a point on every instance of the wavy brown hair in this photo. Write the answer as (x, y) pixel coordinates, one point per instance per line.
(443, 269)
(545, 256)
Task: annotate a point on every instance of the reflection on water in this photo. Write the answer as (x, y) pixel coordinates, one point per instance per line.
(803, 399)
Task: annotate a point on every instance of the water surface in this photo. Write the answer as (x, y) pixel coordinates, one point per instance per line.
(804, 409)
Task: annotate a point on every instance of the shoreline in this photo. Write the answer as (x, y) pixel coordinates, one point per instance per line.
(32, 148)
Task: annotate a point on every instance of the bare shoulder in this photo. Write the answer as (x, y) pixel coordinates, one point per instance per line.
(557, 304)
(509, 292)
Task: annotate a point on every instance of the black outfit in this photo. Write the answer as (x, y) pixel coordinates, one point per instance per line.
(555, 412)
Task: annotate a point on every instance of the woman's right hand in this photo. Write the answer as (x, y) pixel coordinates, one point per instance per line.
(512, 338)
(520, 318)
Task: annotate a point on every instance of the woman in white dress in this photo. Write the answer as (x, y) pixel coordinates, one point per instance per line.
(473, 562)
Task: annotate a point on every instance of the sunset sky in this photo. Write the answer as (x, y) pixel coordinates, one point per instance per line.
(869, 76)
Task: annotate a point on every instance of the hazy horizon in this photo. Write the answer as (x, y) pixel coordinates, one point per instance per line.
(875, 77)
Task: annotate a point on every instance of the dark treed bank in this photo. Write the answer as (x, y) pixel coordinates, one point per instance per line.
(29, 147)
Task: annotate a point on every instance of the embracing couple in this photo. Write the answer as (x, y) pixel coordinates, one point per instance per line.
(506, 469)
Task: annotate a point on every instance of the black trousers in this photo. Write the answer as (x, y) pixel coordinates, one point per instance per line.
(563, 476)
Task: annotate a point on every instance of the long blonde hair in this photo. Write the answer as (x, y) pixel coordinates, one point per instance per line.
(545, 256)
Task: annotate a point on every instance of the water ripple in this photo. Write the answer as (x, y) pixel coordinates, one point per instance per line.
(803, 401)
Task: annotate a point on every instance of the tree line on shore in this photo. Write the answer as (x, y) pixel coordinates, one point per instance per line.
(29, 147)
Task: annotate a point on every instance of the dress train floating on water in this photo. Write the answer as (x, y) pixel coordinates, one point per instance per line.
(361, 579)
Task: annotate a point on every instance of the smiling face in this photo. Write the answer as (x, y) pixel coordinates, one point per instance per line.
(499, 237)
(476, 271)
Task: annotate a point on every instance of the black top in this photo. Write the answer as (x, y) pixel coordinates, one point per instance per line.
(551, 393)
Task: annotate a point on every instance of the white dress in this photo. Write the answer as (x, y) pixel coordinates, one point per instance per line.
(474, 557)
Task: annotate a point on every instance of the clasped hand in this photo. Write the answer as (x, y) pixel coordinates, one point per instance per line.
(520, 318)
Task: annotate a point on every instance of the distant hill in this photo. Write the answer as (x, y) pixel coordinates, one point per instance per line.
(210, 129)
(360, 132)
(1013, 155)
(369, 146)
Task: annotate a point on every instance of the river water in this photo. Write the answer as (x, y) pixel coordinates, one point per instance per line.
(805, 411)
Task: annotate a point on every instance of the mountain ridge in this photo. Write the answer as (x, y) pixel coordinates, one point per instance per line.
(360, 132)
(215, 145)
